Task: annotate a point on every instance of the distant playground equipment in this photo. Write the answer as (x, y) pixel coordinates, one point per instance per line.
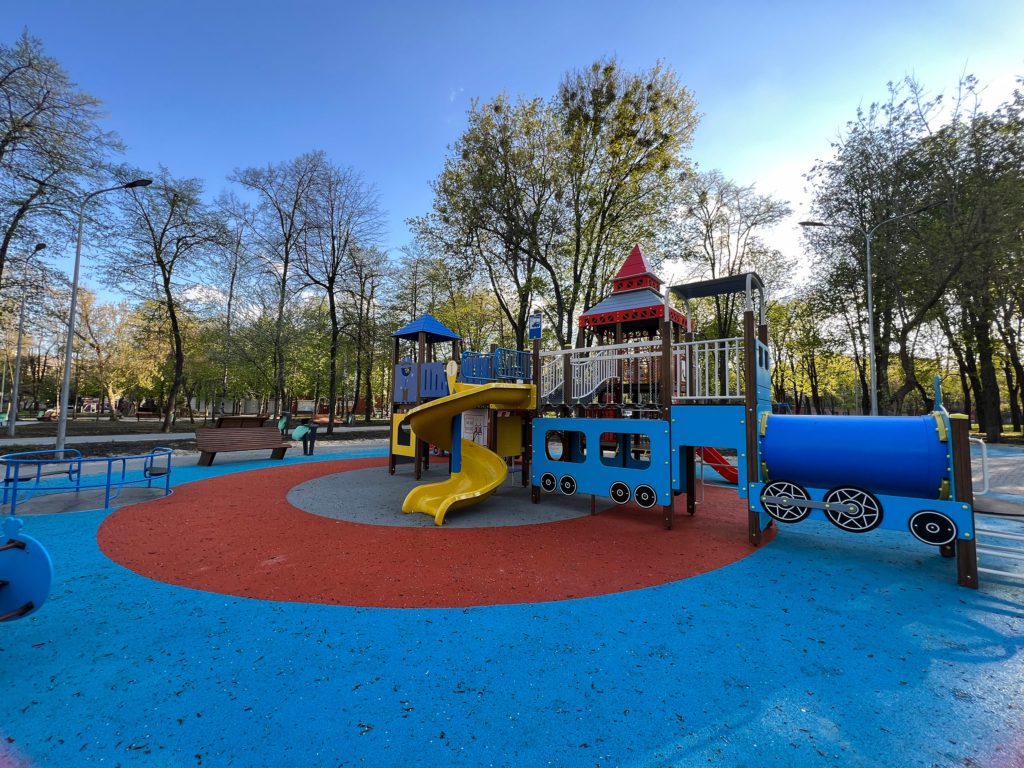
(26, 571)
(628, 418)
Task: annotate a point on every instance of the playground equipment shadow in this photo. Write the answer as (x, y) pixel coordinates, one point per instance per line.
(820, 649)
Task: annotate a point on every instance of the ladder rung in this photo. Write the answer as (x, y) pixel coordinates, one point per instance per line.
(1013, 554)
(1008, 574)
(1000, 534)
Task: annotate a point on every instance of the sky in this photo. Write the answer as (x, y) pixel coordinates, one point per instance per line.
(207, 87)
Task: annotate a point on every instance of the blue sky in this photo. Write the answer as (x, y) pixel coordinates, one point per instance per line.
(206, 87)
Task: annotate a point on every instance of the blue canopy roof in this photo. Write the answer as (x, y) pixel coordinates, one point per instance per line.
(434, 328)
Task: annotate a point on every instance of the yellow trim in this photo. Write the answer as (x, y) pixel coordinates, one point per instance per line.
(958, 415)
(944, 489)
(940, 427)
(764, 472)
(764, 422)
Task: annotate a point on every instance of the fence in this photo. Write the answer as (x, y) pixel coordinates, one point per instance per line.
(34, 473)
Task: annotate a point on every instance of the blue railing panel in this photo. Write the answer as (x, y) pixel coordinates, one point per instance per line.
(476, 368)
(29, 473)
(513, 365)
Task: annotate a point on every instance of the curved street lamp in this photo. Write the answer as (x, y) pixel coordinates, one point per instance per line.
(868, 234)
(62, 413)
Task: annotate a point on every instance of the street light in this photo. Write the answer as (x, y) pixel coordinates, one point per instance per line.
(868, 234)
(62, 414)
(12, 415)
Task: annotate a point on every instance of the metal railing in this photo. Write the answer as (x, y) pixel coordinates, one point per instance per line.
(708, 370)
(32, 473)
(635, 365)
(509, 365)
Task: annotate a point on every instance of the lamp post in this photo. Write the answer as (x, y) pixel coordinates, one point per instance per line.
(12, 415)
(868, 234)
(62, 414)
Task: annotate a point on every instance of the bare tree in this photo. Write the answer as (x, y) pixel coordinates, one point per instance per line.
(344, 214)
(280, 227)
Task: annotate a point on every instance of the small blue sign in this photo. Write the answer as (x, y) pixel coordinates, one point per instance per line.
(534, 326)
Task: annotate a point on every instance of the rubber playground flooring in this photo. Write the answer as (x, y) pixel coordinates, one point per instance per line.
(573, 641)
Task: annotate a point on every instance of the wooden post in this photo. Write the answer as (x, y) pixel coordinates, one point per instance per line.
(750, 418)
(691, 480)
(536, 375)
(665, 392)
(567, 379)
(966, 549)
(617, 393)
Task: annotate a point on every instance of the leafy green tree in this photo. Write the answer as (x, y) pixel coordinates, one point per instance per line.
(167, 227)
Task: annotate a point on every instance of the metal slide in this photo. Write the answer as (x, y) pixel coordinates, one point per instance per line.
(482, 471)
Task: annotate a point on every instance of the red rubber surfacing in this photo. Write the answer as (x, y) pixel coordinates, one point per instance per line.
(237, 534)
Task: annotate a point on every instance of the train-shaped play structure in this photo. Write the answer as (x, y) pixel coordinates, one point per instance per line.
(635, 415)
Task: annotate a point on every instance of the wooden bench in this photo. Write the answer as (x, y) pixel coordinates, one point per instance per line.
(214, 441)
(139, 415)
(253, 422)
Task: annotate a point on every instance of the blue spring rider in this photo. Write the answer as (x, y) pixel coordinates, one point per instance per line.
(26, 573)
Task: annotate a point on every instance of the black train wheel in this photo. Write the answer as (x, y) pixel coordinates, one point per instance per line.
(567, 485)
(645, 496)
(788, 510)
(548, 482)
(619, 492)
(932, 528)
(853, 510)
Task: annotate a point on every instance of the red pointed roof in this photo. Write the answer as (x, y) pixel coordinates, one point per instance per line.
(635, 273)
(635, 264)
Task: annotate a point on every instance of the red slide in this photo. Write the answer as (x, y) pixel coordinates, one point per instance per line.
(720, 464)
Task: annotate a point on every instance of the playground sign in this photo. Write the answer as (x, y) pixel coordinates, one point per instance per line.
(534, 326)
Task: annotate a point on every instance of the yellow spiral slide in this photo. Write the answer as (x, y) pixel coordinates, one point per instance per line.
(482, 471)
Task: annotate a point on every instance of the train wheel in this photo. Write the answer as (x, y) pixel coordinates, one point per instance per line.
(932, 528)
(547, 482)
(619, 492)
(788, 509)
(645, 496)
(853, 510)
(567, 485)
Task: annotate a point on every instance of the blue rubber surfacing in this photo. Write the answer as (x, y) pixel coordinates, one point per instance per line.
(820, 649)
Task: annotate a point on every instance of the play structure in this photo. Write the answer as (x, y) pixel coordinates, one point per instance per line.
(636, 414)
(26, 571)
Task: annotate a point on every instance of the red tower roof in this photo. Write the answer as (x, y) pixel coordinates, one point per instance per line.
(635, 273)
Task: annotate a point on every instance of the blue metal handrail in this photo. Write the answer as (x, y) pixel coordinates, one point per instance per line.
(512, 365)
(34, 466)
(476, 368)
(502, 365)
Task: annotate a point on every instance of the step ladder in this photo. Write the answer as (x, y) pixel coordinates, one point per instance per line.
(1000, 541)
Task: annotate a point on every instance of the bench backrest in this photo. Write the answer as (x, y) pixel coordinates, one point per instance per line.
(238, 438)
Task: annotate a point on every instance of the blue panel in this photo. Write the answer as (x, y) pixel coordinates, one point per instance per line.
(898, 455)
(475, 368)
(433, 380)
(582, 459)
(714, 425)
(512, 365)
(405, 382)
(896, 511)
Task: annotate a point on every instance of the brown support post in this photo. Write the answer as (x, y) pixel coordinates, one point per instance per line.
(691, 481)
(567, 380)
(966, 549)
(617, 394)
(665, 392)
(536, 374)
(750, 418)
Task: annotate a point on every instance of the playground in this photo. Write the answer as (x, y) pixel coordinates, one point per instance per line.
(608, 556)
